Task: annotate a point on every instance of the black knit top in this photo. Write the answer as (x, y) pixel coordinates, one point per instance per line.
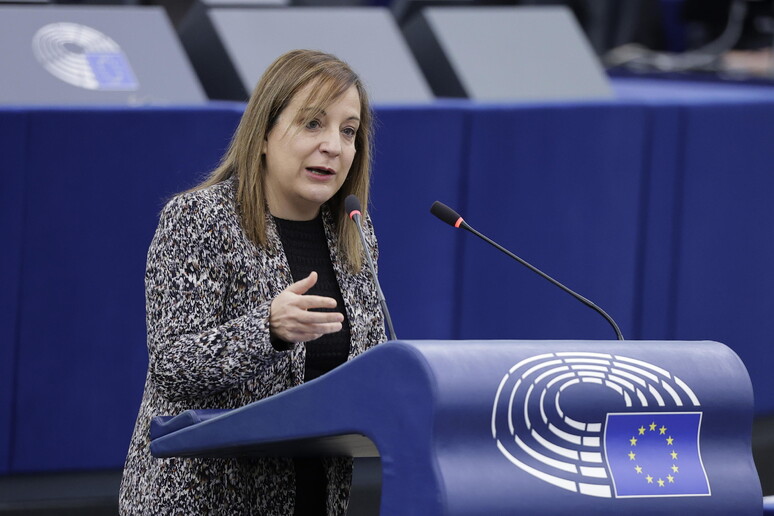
(306, 249)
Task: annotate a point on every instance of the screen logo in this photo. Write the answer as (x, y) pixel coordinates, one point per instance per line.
(84, 57)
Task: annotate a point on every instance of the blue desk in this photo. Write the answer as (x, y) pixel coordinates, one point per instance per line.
(514, 427)
(657, 206)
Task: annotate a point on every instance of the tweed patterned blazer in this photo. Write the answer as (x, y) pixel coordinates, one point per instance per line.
(208, 292)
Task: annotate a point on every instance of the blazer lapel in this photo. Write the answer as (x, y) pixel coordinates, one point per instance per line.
(348, 283)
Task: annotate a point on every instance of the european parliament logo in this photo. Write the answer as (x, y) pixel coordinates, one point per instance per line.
(648, 445)
(84, 57)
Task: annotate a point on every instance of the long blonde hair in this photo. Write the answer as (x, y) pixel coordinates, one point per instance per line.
(244, 159)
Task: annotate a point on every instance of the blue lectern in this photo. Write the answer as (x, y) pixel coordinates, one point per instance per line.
(515, 427)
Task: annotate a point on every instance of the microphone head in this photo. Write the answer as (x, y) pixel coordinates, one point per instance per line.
(446, 214)
(352, 205)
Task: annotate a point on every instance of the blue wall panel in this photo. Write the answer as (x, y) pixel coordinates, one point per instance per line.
(724, 286)
(661, 188)
(560, 187)
(660, 211)
(418, 159)
(99, 180)
(13, 135)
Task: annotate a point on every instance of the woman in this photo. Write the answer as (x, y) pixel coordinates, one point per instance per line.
(255, 284)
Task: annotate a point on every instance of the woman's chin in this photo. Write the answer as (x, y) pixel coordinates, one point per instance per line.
(319, 194)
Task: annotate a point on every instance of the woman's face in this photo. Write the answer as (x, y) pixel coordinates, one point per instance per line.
(306, 166)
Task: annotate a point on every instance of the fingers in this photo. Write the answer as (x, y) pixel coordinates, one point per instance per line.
(291, 331)
(310, 333)
(300, 287)
(305, 302)
(305, 317)
(292, 319)
(310, 302)
(313, 322)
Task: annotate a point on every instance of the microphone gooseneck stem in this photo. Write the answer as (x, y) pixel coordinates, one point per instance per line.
(577, 296)
(366, 250)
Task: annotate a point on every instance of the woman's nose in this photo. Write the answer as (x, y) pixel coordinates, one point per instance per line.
(331, 143)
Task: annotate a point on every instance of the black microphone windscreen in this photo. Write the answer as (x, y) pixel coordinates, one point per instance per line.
(351, 203)
(445, 213)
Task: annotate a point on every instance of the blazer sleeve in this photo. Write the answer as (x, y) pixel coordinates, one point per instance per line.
(193, 352)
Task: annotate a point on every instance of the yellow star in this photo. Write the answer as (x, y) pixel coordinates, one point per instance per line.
(675, 468)
(633, 441)
(631, 455)
(670, 440)
(642, 430)
(662, 430)
(671, 479)
(652, 426)
(660, 483)
(673, 454)
(649, 479)
(638, 469)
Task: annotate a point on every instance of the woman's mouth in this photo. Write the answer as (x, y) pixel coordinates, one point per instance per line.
(321, 171)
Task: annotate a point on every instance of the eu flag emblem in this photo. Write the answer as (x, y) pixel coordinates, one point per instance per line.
(655, 454)
(112, 71)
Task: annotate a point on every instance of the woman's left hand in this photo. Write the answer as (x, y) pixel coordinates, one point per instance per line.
(291, 319)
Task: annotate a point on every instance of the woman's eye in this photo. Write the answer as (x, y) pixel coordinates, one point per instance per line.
(349, 132)
(313, 124)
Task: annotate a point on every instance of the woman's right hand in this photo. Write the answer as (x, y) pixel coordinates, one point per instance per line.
(291, 320)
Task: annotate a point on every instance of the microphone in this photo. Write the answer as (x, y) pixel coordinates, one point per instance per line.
(352, 208)
(453, 218)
